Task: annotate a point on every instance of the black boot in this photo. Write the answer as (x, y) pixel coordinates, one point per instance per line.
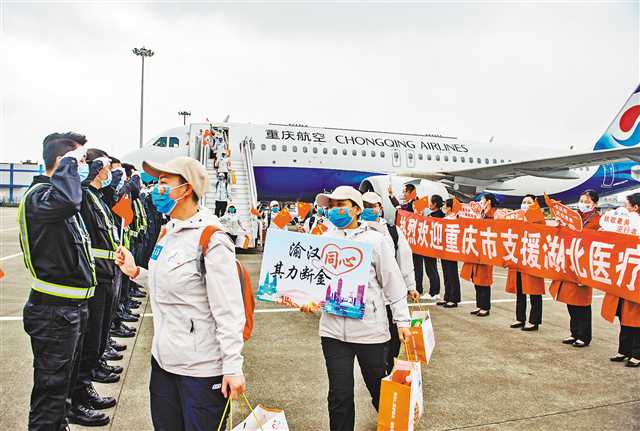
(96, 402)
(115, 369)
(85, 416)
(102, 376)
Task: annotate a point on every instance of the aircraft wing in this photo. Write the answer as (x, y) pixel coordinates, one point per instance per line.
(553, 167)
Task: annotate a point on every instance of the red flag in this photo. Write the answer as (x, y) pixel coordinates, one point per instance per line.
(420, 204)
(319, 229)
(124, 210)
(534, 213)
(1, 273)
(255, 212)
(283, 218)
(456, 206)
(303, 210)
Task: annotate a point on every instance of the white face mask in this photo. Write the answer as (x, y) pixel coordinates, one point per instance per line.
(584, 207)
(524, 206)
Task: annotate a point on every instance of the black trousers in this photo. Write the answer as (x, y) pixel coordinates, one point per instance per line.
(580, 322)
(535, 315)
(394, 343)
(629, 341)
(183, 403)
(221, 208)
(56, 333)
(339, 357)
(113, 294)
(483, 297)
(430, 264)
(451, 280)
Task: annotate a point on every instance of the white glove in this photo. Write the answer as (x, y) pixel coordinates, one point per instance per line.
(79, 154)
(104, 160)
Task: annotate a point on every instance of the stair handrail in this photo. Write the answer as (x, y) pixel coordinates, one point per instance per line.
(247, 156)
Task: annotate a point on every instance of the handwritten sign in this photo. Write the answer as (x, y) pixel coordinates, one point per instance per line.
(308, 270)
(621, 220)
(565, 215)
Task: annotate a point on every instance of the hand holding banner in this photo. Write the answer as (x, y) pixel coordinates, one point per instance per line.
(565, 215)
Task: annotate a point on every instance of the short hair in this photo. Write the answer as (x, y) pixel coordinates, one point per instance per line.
(115, 160)
(437, 200)
(128, 168)
(410, 187)
(592, 194)
(57, 145)
(94, 153)
(449, 203)
(491, 198)
(634, 199)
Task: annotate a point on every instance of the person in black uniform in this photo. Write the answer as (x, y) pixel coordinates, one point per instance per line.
(56, 248)
(99, 221)
(431, 263)
(450, 269)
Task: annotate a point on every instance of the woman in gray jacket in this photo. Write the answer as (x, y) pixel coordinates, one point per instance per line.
(343, 339)
(198, 311)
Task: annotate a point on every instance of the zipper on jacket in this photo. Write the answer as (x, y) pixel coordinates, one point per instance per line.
(192, 331)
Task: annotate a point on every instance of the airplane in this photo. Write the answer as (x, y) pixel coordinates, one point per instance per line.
(292, 162)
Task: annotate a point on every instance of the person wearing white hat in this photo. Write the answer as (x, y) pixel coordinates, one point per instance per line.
(344, 339)
(198, 310)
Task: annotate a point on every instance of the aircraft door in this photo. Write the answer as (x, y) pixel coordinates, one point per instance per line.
(396, 159)
(411, 159)
(608, 175)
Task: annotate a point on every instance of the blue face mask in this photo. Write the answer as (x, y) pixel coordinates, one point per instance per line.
(107, 182)
(161, 199)
(275, 210)
(146, 178)
(83, 171)
(340, 217)
(231, 210)
(370, 214)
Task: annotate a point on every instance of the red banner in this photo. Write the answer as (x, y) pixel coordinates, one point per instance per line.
(603, 260)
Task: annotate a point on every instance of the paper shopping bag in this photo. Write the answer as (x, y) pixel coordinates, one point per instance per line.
(422, 342)
(401, 400)
(262, 418)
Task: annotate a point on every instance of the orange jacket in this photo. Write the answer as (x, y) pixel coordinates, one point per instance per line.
(530, 285)
(630, 315)
(568, 292)
(478, 274)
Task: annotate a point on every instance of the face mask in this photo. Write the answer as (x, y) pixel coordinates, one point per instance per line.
(107, 182)
(340, 217)
(370, 214)
(320, 211)
(231, 210)
(584, 207)
(83, 171)
(146, 178)
(524, 206)
(162, 201)
(275, 210)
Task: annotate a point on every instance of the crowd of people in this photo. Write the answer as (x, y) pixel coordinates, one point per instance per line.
(87, 270)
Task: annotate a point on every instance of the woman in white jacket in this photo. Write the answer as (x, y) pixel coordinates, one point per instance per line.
(198, 311)
(343, 339)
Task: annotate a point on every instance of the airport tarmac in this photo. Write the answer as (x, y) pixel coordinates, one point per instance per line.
(483, 375)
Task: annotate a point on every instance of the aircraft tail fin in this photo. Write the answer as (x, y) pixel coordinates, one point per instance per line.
(624, 130)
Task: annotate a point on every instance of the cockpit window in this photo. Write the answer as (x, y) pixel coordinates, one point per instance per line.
(174, 142)
(160, 142)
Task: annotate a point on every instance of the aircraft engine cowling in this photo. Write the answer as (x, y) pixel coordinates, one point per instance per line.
(380, 184)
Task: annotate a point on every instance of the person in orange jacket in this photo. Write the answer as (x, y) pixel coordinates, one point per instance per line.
(482, 275)
(524, 284)
(578, 298)
(628, 313)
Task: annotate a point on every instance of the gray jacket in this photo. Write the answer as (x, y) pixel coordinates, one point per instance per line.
(198, 322)
(385, 285)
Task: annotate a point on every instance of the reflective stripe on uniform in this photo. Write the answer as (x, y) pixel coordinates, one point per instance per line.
(99, 253)
(63, 291)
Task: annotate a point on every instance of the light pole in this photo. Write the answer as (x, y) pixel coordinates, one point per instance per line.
(184, 114)
(142, 53)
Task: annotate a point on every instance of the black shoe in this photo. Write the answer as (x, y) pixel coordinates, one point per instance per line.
(441, 303)
(85, 416)
(128, 318)
(131, 313)
(96, 402)
(133, 306)
(122, 333)
(516, 325)
(530, 328)
(483, 313)
(450, 305)
(475, 311)
(117, 346)
(619, 358)
(580, 343)
(569, 340)
(128, 328)
(632, 364)
(111, 355)
(115, 369)
(102, 376)
(137, 294)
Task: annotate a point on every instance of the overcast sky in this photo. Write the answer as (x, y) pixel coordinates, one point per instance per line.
(529, 74)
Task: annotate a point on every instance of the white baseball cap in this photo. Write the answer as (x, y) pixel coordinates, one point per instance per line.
(274, 204)
(339, 194)
(372, 198)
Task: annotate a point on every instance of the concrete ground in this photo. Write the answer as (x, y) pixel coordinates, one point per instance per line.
(483, 375)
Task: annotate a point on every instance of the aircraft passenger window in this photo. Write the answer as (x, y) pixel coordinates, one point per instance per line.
(420, 156)
(428, 156)
(344, 151)
(173, 142)
(373, 153)
(315, 150)
(509, 160)
(410, 156)
(501, 160)
(263, 147)
(294, 148)
(382, 154)
(486, 161)
(495, 162)
(325, 150)
(437, 157)
(455, 159)
(335, 151)
(446, 158)
(479, 160)
(470, 159)
(462, 159)
(284, 148)
(305, 150)
(364, 153)
(354, 152)
(160, 142)
(273, 148)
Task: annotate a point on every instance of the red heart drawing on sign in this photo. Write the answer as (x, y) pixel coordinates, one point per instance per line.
(340, 261)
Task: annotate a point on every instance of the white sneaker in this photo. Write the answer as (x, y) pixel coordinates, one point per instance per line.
(425, 296)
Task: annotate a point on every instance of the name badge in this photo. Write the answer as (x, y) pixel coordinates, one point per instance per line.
(156, 252)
